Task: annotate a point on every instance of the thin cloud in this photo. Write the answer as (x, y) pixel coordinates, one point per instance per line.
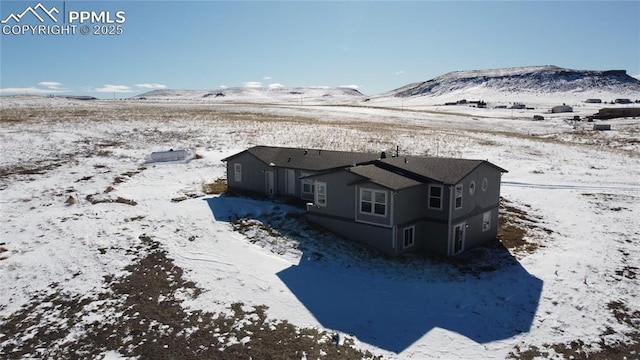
(275, 86)
(53, 85)
(354, 87)
(252, 84)
(27, 90)
(223, 86)
(266, 78)
(108, 88)
(399, 72)
(152, 86)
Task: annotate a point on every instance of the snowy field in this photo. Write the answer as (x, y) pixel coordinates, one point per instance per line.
(79, 210)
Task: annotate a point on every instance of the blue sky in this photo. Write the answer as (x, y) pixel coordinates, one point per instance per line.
(375, 46)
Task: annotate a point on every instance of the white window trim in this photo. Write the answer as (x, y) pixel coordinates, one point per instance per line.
(441, 196)
(237, 172)
(463, 230)
(373, 202)
(307, 182)
(317, 196)
(459, 191)
(486, 221)
(413, 236)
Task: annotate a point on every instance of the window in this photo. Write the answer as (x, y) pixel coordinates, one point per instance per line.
(435, 197)
(485, 184)
(321, 193)
(458, 237)
(373, 202)
(237, 172)
(486, 221)
(458, 199)
(308, 187)
(472, 188)
(408, 236)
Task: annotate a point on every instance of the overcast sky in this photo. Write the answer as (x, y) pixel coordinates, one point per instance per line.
(371, 45)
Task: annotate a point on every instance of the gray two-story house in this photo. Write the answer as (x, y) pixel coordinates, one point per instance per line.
(395, 204)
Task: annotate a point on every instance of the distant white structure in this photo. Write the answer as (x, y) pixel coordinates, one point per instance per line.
(561, 109)
(170, 156)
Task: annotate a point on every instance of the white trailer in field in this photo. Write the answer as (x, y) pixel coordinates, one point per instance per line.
(170, 156)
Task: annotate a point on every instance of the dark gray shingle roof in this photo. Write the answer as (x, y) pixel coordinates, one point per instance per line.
(382, 177)
(307, 159)
(444, 170)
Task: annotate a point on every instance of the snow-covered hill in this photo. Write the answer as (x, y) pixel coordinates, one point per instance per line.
(533, 85)
(533, 79)
(295, 95)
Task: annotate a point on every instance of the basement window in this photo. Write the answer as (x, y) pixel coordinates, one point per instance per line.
(408, 236)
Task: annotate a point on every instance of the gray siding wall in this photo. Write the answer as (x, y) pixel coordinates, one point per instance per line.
(375, 236)
(474, 232)
(481, 198)
(475, 205)
(340, 195)
(253, 174)
(429, 236)
(413, 203)
(410, 204)
(253, 177)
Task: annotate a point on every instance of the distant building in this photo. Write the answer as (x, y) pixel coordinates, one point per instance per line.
(601, 127)
(594, 101)
(518, 106)
(612, 113)
(623, 101)
(561, 109)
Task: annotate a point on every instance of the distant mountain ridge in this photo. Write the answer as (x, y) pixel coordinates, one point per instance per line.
(532, 79)
(550, 81)
(259, 92)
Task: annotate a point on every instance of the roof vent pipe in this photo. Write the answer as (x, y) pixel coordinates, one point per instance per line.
(406, 161)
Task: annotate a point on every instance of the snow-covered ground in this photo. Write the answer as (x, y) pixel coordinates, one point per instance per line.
(582, 185)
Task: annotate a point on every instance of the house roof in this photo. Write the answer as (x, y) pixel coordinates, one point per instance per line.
(306, 159)
(445, 170)
(385, 178)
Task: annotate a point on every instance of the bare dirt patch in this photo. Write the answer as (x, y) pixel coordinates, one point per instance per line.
(219, 186)
(519, 231)
(607, 348)
(141, 315)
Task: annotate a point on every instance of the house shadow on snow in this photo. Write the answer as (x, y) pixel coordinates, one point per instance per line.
(392, 311)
